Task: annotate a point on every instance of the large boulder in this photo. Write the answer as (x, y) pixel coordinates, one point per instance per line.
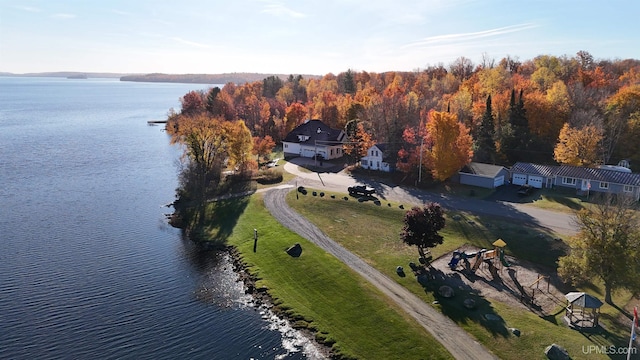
(556, 352)
(295, 250)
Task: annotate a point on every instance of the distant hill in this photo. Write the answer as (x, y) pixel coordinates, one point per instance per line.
(236, 78)
(218, 79)
(67, 74)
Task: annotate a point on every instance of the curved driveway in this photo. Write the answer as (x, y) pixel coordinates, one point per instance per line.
(450, 335)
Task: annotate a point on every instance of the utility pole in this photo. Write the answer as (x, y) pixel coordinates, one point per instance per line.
(420, 169)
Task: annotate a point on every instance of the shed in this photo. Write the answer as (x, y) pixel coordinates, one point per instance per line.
(483, 175)
(583, 310)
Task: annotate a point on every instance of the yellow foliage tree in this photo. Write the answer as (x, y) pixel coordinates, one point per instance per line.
(451, 145)
(578, 147)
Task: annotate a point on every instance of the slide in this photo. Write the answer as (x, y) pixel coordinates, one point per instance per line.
(457, 255)
(454, 262)
(504, 261)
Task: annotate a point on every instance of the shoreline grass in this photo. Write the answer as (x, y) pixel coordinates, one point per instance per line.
(319, 292)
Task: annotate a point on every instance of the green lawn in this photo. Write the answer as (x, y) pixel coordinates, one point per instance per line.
(318, 291)
(372, 232)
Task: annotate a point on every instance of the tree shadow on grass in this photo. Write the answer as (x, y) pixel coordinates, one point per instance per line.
(524, 241)
(454, 307)
(219, 219)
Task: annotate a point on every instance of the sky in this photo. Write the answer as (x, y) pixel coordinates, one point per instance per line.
(304, 37)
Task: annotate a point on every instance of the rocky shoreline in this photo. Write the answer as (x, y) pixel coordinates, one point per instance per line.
(262, 299)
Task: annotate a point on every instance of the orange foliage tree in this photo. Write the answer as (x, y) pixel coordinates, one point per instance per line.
(359, 141)
(294, 116)
(263, 146)
(452, 145)
(579, 147)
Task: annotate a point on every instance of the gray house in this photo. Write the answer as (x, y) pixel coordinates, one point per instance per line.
(483, 175)
(584, 180)
(535, 175)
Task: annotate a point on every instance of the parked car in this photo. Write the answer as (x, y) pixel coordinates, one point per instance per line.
(525, 190)
(361, 190)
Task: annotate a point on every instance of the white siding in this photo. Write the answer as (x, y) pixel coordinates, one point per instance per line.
(519, 179)
(535, 181)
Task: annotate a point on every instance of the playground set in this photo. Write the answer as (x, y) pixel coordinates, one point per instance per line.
(494, 259)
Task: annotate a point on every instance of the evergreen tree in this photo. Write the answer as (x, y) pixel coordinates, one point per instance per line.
(349, 83)
(516, 139)
(271, 85)
(485, 134)
(212, 104)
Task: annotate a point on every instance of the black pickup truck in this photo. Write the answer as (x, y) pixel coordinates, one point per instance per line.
(361, 190)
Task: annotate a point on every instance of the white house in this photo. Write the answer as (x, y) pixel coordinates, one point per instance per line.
(311, 138)
(375, 159)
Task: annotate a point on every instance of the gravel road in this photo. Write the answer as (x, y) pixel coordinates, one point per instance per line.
(460, 344)
(558, 222)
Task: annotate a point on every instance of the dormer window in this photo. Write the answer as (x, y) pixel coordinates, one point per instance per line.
(302, 138)
(319, 131)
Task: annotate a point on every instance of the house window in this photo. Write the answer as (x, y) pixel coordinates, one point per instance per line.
(628, 188)
(568, 181)
(286, 146)
(331, 152)
(364, 162)
(604, 185)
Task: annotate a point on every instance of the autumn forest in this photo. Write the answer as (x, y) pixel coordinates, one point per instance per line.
(571, 109)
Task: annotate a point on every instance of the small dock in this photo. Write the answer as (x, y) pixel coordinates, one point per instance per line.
(154, 122)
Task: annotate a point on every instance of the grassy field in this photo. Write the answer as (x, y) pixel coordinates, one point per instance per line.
(317, 291)
(372, 232)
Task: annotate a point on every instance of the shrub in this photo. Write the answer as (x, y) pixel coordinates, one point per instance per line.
(269, 176)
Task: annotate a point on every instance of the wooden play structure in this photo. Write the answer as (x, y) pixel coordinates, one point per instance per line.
(583, 310)
(494, 259)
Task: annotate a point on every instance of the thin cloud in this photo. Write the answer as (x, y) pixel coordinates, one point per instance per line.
(449, 38)
(120, 12)
(28, 8)
(63, 16)
(279, 9)
(188, 42)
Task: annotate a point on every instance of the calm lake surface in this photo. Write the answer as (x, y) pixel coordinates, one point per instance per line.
(88, 267)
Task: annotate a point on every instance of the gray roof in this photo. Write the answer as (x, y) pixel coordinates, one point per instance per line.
(602, 175)
(316, 130)
(534, 169)
(583, 300)
(594, 174)
(481, 169)
(381, 146)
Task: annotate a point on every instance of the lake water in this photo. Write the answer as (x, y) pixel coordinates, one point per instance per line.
(88, 267)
